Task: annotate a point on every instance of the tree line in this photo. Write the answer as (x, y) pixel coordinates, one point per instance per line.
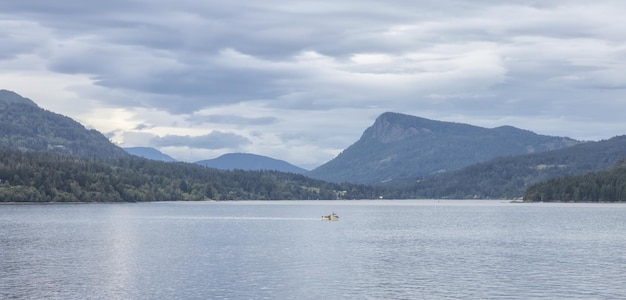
(32, 176)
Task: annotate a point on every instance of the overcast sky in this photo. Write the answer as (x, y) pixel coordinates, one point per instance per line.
(301, 80)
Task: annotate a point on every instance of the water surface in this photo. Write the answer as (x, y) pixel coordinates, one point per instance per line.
(282, 250)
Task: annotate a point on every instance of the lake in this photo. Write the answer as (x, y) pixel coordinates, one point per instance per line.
(385, 249)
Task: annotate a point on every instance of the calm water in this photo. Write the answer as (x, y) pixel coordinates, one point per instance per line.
(282, 250)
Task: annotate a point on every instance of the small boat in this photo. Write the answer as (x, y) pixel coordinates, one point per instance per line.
(331, 217)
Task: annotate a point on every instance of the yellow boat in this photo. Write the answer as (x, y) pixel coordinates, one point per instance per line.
(331, 217)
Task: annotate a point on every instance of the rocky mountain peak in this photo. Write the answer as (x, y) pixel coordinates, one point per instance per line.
(392, 127)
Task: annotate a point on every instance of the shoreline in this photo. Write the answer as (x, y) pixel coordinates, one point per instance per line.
(515, 201)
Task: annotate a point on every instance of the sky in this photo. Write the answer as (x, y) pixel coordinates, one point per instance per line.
(301, 80)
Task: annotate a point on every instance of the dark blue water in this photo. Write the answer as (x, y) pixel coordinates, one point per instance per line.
(282, 250)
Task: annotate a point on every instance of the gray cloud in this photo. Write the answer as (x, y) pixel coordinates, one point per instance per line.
(196, 55)
(213, 140)
(280, 62)
(231, 119)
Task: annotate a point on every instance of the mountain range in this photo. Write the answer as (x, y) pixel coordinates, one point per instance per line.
(50, 157)
(229, 161)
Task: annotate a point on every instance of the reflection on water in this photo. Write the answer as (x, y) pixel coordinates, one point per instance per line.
(282, 250)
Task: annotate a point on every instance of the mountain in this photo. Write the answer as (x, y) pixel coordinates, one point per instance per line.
(509, 177)
(401, 146)
(247, 161)
(26, 126)
(149, 153)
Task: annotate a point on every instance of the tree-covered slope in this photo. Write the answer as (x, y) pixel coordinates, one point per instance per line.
(603, 186)
(509, 177)
(402, 146)
(31, 176)
(24, 125)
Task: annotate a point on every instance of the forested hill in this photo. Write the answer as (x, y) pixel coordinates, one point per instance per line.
(31, 176)
(604, 186)
(401, 146)
(49, 157)
(249, 161)
(509, 177)
(24, 125)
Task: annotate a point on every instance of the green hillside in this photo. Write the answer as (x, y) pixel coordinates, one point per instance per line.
(604, 186)
(24, 125)
(509, 177)
(30, 176)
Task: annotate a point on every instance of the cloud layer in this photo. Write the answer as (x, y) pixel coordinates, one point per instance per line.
(301, 80)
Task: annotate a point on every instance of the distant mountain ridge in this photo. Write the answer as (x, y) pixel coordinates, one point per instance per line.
(403, 146)
(26, 126)
(149, 153)
(248, 161)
